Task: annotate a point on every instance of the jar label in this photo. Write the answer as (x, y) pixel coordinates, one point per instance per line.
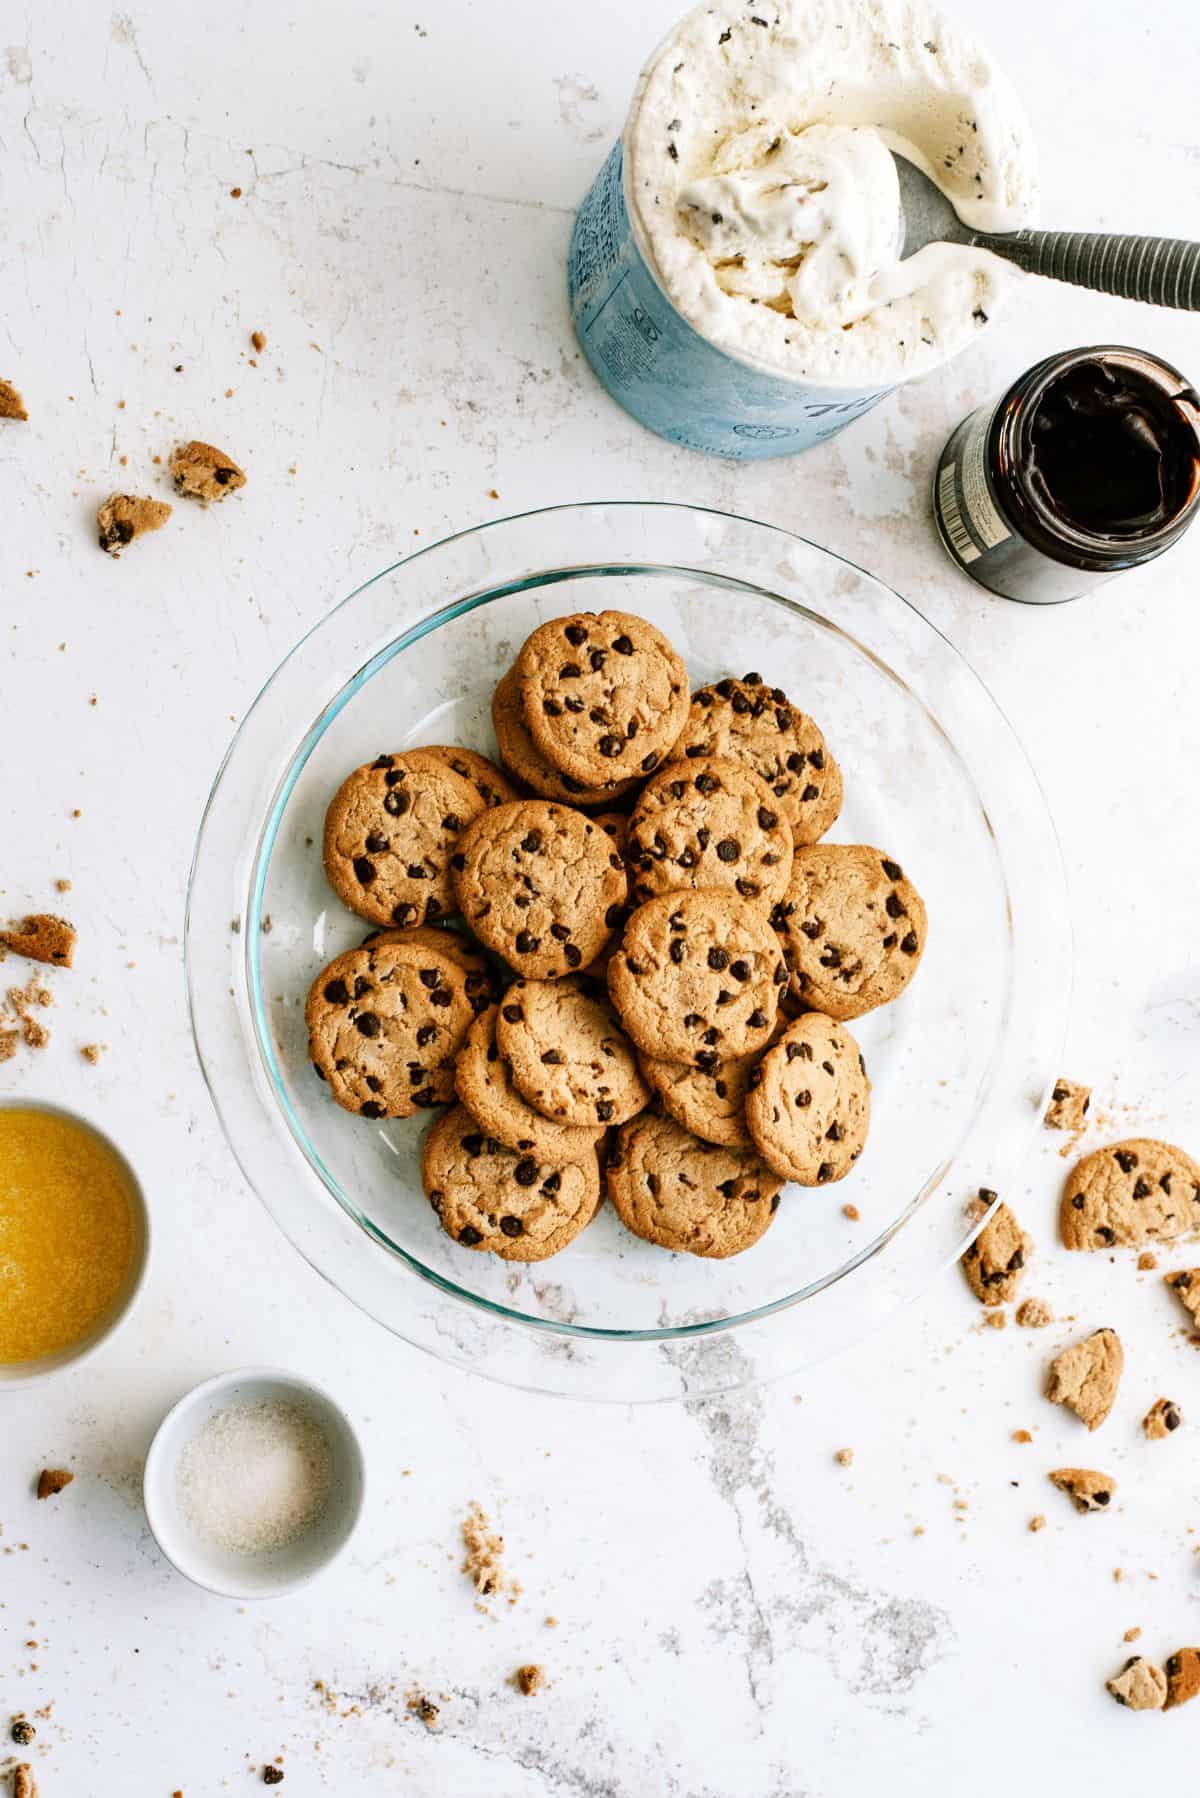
(966, 510)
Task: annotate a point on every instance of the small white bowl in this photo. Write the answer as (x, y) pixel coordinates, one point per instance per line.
(15, 1374)
(274, 1571)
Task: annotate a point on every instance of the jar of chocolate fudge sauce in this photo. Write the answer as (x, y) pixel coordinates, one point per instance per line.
(1089, 464)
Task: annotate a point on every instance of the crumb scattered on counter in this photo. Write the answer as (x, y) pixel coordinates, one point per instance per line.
(62, 886)
(1147, 1261)
(844, 1457)
(1162, 1419)
(423, 1708)
(852, 1212)
(40, 937)
(22, 1731)
(1140, 1685)
(484, 1559)
(124, 516)
(1034, 1314)
(1037, 1523)
(24, 1784)
(1068, 1107)
(9, 1040)
(271, 1775)
(259, 340)
(1087, 1489)
(202, 472)
(529, 1679)
(1131, 1635)
(1183, 1676)
(91, 1052)
(52, 1480)
(11, 403)
(552, 1623)
(996, 1320)
(1021, 1436)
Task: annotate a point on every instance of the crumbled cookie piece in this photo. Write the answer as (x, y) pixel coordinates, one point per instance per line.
(1034, 1314)
(124, 516)
(1185, 1284)
(24, 1784)
(530, 1679)
(1037, 1523)
(1131, 1635)
(11, 403)
(1087, 1489)
(1183, 1677)
(52, 1480)
(1147, 1261)
(41, 937)
(201, 472)
(1140, 1685)
(485, 1553)
(8, 1044)
(1085, 1376)
(844, 1457)
(91, 1052)
(272, 1775)
(995, 1260)
(1068, 1106)
(1162, 1419)
(1021, 1436)
(22, 1731)
(424, 1709)
(259, 340)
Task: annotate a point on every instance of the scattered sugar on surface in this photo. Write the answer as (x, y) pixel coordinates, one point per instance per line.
(255, 1477)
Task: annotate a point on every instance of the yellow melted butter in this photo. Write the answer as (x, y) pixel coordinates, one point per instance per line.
(67, 1232)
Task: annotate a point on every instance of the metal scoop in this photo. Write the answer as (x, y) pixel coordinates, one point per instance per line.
(1162, 270)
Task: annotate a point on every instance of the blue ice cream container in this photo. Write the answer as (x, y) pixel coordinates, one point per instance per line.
(663, 371)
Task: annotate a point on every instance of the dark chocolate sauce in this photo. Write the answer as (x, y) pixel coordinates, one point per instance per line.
(1109, 452)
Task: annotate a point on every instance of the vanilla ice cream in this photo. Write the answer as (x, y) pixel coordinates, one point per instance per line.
(764, 197)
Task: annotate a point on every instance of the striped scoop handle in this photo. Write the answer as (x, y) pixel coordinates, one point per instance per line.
(1165, 271)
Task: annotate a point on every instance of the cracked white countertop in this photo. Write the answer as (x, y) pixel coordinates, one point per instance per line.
(739, 1615)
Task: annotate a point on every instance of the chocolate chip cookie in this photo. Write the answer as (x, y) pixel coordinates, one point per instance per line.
(384, 1024)
(995, 1262)
(540, 884)
(691, 1196)
(569, 1057)
(709, 823)
(1130, 1193)
(709, 1101)
(603, 694)
(483, 775)
(697, 977)
(484, 1083)
(390, 831)
(520, 757)
(809, 1102)
(853, 928)
(750, 722)
(490, 1197)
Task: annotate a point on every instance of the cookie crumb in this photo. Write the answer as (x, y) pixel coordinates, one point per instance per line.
(1068, 1107)
(1021, 1436)
(24, 1784)
(1085, 1376)
(1140, 1685)
(22, 1731)
(1185, 1284)
(1147, 1261)
(1131, 1635)
(8, 1044)
(259, 340)
(1162, 1419)
(994, 1262)
(852, 1212)
(1037, 1523)
(41, 937)
(844, 1457)
(62, 886)
(1183, 1677)
(11, 403)
(552, 1623)
(529, 1679)
(423, 1708)
(1118, 1574)
(235, 193)
(484, 1559)
(52, 1480)
(272, 1776)
(1034, 1314)
(201, 472)
(996, 1320)
(124, 516)
(91, 1052)
(1087, 1489)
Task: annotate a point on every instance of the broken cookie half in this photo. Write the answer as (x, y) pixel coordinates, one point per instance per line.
(1140, 1685)
(1085, 1377)
(203, 472)
(994, 1262)
(125, 516)
(1087, 1489)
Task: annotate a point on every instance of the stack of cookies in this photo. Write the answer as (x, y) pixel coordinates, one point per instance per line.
(657, 958)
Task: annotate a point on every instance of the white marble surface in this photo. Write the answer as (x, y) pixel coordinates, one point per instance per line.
(738, 1614)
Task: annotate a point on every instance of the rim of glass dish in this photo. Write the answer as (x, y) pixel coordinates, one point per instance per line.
(414, 634)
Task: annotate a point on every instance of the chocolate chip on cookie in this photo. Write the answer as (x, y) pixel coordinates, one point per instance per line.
(540, 884)
(484, 1083)
(709, 823)
(1162, 1420)
(603, 694)
(124, 516)
(694, 1197)
(569, 1057)
(1185, 1284)
(1087, 1489)
(483, 775)
(995, 1261)
(853, 929)
(756, 724)
(385, 1023)
(809, 1102)
(1068, 1107)
(523, 760)
(697, 977)
(201, 472)
(1130, 1193)
(708, 1101)
(491, 1197)
(390, 831)
(1085, 1376)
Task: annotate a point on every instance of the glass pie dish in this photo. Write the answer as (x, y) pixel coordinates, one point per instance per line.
(960, 1064)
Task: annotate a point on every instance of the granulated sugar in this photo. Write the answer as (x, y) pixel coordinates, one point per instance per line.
(255, 1477)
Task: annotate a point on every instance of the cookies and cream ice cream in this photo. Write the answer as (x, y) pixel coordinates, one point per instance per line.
(765, 198)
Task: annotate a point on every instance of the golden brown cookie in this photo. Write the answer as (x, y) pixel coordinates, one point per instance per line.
(40, 937)
(201, 472)
(1129, 1193)
(484, 1083)
(519, 756)
(491, 785)
(808, 1106)
(124, 516)
(756, 724)
(603, 694)
(709, 823)
(1140, 1685)
(492, 1198)
(540, 884)
(569, 1057)
(691, 1196)
(853, 928)
(995, 1261)
(390, 831)
(1087, 1489)
(1085, 1376)
(708, 1101)
(384, 1024)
